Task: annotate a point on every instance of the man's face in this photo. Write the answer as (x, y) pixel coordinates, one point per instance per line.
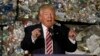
(47, 17)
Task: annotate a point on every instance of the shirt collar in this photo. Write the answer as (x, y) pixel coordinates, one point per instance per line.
(44, 27)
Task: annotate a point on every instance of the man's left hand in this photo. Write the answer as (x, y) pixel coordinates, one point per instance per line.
(72, 34)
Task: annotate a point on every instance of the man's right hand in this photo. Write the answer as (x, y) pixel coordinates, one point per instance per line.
(36, 33)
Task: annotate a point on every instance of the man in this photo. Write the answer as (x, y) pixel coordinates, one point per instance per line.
(47, 37)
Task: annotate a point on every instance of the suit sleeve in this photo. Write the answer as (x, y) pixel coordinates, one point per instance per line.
(68, 45)
(26, 43)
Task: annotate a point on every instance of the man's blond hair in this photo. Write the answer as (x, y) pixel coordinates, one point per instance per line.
(46, 6)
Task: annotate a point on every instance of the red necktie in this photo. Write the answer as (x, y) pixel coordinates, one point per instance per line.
(49, 43)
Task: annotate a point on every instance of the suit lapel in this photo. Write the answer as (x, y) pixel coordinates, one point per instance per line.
(41, 30)
(40, 39)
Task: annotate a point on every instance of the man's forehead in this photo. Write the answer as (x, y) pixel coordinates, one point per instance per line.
(47, 9)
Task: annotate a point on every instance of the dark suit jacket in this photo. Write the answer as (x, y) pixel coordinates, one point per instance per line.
(61, 42)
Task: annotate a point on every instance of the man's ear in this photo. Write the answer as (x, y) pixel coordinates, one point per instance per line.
(55, 17)
(39, 18)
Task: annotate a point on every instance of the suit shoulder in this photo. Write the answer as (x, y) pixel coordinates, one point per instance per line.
(61, 27)
(32, 26)
(58, 24)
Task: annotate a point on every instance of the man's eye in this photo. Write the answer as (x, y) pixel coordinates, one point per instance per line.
(46, 14)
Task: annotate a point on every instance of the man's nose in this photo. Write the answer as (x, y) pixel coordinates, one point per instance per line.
(50, 17)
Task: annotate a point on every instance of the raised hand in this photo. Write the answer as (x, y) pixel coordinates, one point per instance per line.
(36, 33)
(72, 34)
